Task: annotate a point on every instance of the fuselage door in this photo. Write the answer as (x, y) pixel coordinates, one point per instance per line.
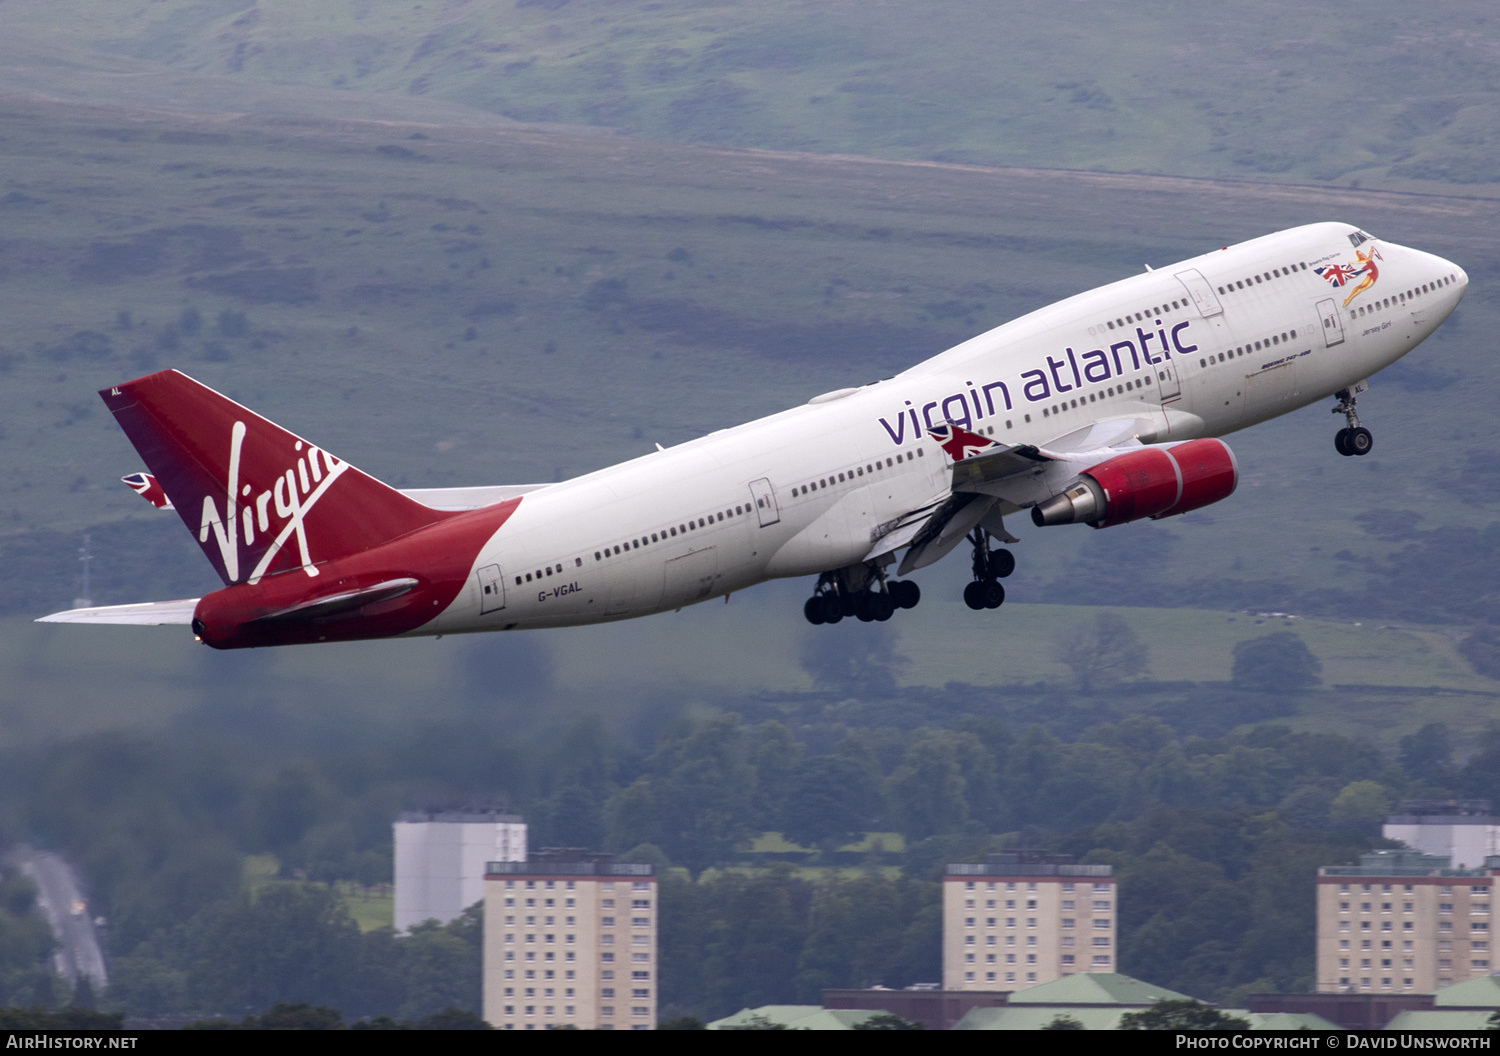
(1166, 378)
(1200, 291)
(491, 589)
(1333, 326)
(765, 502)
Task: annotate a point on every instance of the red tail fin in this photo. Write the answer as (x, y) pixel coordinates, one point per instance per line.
(259, 499)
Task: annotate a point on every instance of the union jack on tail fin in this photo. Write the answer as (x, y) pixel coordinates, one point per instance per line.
(259, 499)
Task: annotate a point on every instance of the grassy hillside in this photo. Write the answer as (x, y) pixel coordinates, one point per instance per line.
(1391, 93)
(450, 304)
(1378, 682)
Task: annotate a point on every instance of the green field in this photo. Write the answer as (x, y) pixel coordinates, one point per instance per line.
(1379, 682)
(1385, 93)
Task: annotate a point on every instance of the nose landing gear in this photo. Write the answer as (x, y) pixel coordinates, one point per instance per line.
(985, 592)
(1353, 439)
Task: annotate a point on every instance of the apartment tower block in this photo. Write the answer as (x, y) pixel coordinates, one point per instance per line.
(1025, 918)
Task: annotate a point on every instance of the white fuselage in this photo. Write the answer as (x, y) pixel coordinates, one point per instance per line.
(1203, 348)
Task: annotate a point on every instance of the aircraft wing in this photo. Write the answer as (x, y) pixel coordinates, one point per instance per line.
(143, 614)
(145, 485)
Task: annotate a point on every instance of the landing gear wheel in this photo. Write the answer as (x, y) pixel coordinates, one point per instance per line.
(882, 606)
(833, 610)
(1354, 439)
(1002, 563)
(812, 608)
(905, 594)
(974, 595)
(994, 595)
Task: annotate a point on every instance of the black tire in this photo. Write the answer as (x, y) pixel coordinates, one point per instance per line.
(1359, 441)
(883, 606)
(974, 595)
(864, 610)
(833, 612)
(1341, 442)
(994, 595)
(906, 594)
(812, 608)
(849, 604)
(1002, 563)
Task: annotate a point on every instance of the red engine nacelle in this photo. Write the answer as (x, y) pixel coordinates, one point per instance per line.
(1153, 482)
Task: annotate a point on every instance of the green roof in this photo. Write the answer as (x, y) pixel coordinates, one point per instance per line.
(1095, 988)
(1436, 1020)
(1013, 1017)
(1483, 991)
(798, 1017)
(1035, 1017)
(1283, 1020)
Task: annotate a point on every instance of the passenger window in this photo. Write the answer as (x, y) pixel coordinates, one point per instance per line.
(888, 463)
(518, 578)
(528, 577)
(700, 522)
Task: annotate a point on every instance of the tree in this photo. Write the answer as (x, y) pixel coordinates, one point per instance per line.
(927, 789)
(886, 1021)
(832, 799)
(859, 659)
(1063, 1021)
(1275, 663)
(1427, 753)
(1482, 650)
(1361, 805)
(1182, 1015)
(1104, 655)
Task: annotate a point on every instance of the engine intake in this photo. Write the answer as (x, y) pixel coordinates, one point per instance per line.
(1158, 481)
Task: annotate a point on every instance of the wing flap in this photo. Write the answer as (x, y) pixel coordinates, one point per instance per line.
(141, 614)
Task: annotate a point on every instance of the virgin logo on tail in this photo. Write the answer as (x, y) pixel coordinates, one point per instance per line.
(294, 494)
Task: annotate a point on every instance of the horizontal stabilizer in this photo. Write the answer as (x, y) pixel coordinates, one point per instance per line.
(146, 486)
(142, 614)
(468, 498)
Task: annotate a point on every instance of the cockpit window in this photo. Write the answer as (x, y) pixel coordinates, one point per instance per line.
(1359, 237)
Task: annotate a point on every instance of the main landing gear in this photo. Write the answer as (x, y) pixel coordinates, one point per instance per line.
(1353, 439)
(876, 599)
(985, 592)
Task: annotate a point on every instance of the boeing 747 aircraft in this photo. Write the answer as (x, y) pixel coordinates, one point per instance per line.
(1101, 409)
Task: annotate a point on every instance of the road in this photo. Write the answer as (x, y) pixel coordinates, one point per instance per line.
(60, 898)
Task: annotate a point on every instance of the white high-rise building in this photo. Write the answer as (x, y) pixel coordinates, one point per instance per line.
(441, 858)
(1463, 831)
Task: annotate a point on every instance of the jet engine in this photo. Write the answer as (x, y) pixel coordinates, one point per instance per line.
(1157, 481)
